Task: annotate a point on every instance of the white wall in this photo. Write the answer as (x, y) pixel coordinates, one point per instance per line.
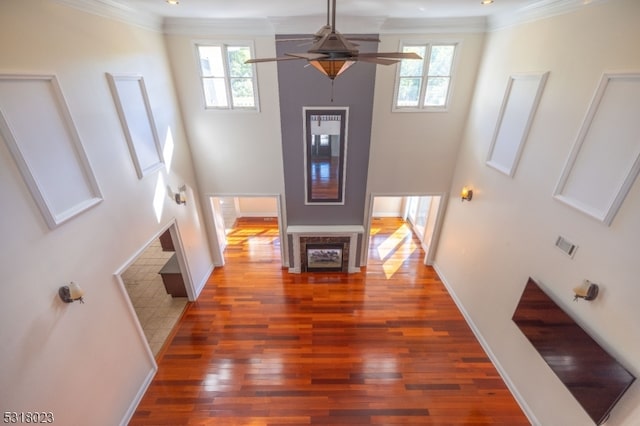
(234, 152)
(489, 246)
(85, 363)
(257, 207)
(415, 152)
(388, 207)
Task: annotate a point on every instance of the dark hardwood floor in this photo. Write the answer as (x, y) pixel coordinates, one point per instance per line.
(386, 346)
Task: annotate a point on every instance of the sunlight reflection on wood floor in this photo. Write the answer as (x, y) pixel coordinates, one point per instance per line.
(396, 249)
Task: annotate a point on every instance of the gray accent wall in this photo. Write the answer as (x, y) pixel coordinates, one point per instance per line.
(301, 85)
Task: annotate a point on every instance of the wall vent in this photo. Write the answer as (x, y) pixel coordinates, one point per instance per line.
(566, 246)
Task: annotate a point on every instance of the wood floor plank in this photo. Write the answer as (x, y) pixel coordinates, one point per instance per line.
(386, 346)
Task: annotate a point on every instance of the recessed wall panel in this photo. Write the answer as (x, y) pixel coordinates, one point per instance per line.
(134, 110)
(605, 159)
(520, 102)
(37, 127)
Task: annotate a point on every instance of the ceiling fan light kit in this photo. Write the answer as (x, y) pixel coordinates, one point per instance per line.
(332, 53)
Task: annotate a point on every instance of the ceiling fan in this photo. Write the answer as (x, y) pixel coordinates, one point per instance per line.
(332, 53)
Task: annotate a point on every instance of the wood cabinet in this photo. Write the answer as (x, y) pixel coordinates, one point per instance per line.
(166, 242)
(172, 278)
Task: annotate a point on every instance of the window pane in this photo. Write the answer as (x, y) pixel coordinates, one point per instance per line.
(237, 56)
(242, 92)
(409, 91)
(440, 61)
(437, 88)
(412, 67)
(211, 61)
(215, 94)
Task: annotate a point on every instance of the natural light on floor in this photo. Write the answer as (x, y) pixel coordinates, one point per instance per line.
(395, 250)
(392, 242)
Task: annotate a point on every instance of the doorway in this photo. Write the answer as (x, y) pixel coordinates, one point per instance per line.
(229, 210)
(156, 288)
(421, 214)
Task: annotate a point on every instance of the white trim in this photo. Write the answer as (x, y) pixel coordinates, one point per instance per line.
(223, 44)
(203, 281)
(616, 197)
(487, 348)
(305, 24)
(433, 25)
(536, 11)
(429, 43)
(64, 132)
(143, 338)
(519, 135)
(218, 26)
(131, 410)
(351, 231)
(136, 140)
(117, 11)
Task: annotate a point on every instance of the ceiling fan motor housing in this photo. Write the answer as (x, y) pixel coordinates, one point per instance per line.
(334, 45)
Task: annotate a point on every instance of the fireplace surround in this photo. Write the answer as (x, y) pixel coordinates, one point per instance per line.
(325, 243)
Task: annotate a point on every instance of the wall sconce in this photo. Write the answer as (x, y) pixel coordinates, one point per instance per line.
(587, 291)
(181, 196)
(70, 293)
(466, 194)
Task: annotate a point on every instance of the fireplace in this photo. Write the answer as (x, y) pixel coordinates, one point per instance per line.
(324, 248)
(324, 254)
(324, 257)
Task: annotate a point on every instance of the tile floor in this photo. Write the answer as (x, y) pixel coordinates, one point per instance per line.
(157, 311)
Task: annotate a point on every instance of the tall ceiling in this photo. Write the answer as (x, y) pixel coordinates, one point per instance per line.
(252, 9)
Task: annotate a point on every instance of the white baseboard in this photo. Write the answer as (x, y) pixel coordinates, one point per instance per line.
(494, 360)
(134, 404)
(203, 281)
(386, 214)
(258, 214)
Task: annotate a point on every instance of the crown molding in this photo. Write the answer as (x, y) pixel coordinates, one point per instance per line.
(348, 24)
(434, 25)
(303, 24)
(540, 10)
(117, 11)
(216, 27)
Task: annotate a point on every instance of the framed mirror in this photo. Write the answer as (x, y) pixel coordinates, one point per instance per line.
(325, 150)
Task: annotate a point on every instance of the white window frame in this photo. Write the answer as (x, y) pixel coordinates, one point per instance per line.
(227, 79)
(423, 88)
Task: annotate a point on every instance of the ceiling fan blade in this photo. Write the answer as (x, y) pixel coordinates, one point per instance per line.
(379, 61)
(310, 38)
(307, 56)
(282, 58)
(374, 39)
(397, 55)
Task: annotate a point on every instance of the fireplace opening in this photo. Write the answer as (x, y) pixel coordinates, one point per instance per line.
(324, 257)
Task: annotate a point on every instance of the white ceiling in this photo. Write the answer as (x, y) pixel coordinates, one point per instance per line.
(243, 9)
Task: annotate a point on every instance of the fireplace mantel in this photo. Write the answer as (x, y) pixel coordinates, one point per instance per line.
(350, 231)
